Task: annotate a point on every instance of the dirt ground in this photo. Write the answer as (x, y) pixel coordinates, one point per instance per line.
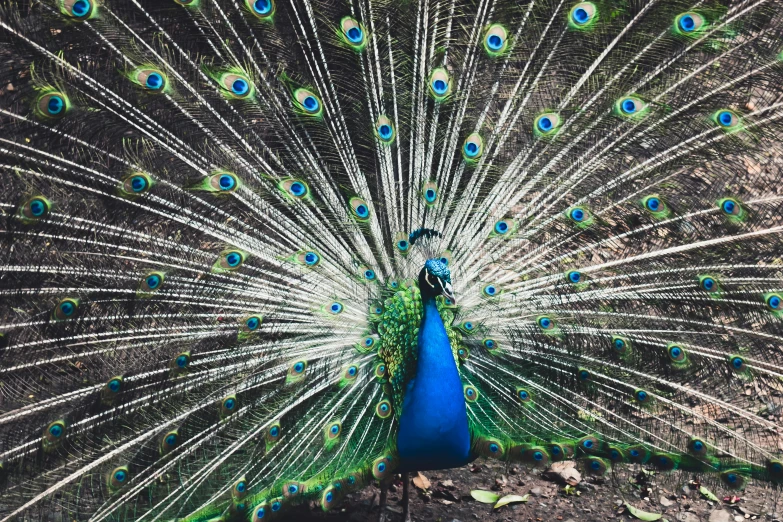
(448, 499)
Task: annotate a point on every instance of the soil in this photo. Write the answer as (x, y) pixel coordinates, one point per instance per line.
(447, 498)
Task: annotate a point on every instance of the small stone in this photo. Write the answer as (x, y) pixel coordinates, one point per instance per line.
(618, 503)
(738, 518)
(535, 492)
(665, 502)
(720, 515)
(687, 516)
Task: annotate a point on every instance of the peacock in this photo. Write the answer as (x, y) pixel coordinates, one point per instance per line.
(259, 254)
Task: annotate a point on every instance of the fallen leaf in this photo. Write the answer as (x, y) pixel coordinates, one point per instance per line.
(421, 482)
(508, 499)
(642, 515)
(709, 495)
(485, 497)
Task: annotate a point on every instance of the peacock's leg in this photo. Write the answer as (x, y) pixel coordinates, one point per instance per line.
(382, 515)
(406, 515)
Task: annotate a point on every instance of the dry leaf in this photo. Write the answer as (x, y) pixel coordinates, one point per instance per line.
(421, 482)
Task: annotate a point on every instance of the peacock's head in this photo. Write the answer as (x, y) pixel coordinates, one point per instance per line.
(435, 280)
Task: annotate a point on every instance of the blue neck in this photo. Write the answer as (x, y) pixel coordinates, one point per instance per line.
(433, 430)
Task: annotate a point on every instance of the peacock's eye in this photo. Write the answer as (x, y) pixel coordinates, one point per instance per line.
(726, 119)
(262, 9)
(78, 9)
(583, 14)
(473, 147)
(440, 83)
(546, 124)
(236, 85)
(52, 105)
(574, 276)
(152, 80)
(307, 102)
(352, 31)
(495, 40)
(384, 129)
(689, 23)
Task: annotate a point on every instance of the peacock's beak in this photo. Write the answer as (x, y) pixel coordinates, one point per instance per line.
(448, 292)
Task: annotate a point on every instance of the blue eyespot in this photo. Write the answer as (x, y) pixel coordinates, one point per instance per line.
(588, 443)
(67, 308)
(494, 42)
(731, 477)
(594, 464)
(619, 345)
(362, 211)
(774, 302)
(369, 274)
(628, 106)
(584, 375)
(489, 343)
(37, 207)
(490, 290)
(138, 183)
(545, 323)
(153, 281)
(369, 341)
(81, 8)
(468, 325)
(471, 149)
(524, 395)
(292, 489)
(381, 467)
(430, 195)
(240, 87)
(336, 308)
(653, 204)
(354, 34)
(226, 182)
(120, 476)
(687, 23)
(581, 16)
(55, 105)
(729, 206)
(675, 352)
(545, 124)
(470, 392)
(698, 445)
(444, 260)
(115, 385)
(154, 81)
(274, 431)
(578, 215)
(261, 511)
(737, 362)
(56, 430)
(233, 259)
(352, 371)
(641, 396)
(262, 7)
(311, 258)
(725, 118)
(494, 448)
(171, 439)
(385, 131)
(708, 283)
(299, 367)
(352, 479)
(402, 245)
(183, 360)
(574, 276)
(229, 405)
(501, 227)
(615, 455)
(311, 104)
(276, 505)
(634, 453)
(555, 450)
(252, 323)
(297, 188)
(440, 86)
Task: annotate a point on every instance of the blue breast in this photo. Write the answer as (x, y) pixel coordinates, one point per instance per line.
(433, 430)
